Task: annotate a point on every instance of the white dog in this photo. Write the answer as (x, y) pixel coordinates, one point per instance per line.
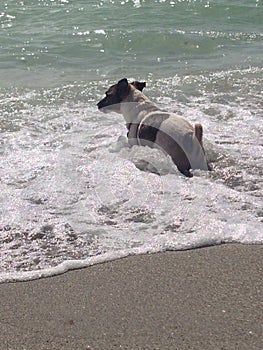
(149, 125)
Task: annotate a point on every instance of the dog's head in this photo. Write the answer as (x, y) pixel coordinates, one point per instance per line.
(117, 94)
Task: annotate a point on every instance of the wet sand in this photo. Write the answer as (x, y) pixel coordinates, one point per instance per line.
(209, 298)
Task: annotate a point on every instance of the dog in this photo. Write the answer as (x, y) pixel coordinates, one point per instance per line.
(151, 126)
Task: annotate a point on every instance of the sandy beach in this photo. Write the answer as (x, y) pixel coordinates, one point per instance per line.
(209, 298)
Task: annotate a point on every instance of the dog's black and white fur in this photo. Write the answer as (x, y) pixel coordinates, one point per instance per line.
(149, 125)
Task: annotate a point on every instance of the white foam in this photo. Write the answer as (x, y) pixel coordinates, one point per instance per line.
(73, 193)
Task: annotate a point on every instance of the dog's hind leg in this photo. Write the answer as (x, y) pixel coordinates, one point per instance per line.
(186, 172)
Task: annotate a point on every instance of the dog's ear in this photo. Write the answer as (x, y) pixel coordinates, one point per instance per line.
(123, 88)
(138, 85)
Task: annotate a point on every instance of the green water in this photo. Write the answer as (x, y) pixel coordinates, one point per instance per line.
(47, 43)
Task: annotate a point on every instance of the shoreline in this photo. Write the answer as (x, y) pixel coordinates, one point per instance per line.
(206, 298)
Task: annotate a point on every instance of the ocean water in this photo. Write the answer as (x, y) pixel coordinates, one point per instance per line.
(71, 192)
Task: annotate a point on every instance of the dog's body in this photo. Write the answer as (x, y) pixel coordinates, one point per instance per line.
(148, 125)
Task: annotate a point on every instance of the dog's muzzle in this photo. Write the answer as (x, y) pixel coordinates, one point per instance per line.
(100, 104)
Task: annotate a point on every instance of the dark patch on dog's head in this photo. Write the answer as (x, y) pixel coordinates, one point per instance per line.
(139, 85)
(114, 96)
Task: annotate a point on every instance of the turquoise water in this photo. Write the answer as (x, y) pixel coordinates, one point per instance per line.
(71, 192)
(47, 43)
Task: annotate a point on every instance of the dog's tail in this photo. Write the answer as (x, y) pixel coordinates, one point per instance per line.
(199, 133)
(199, 136)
